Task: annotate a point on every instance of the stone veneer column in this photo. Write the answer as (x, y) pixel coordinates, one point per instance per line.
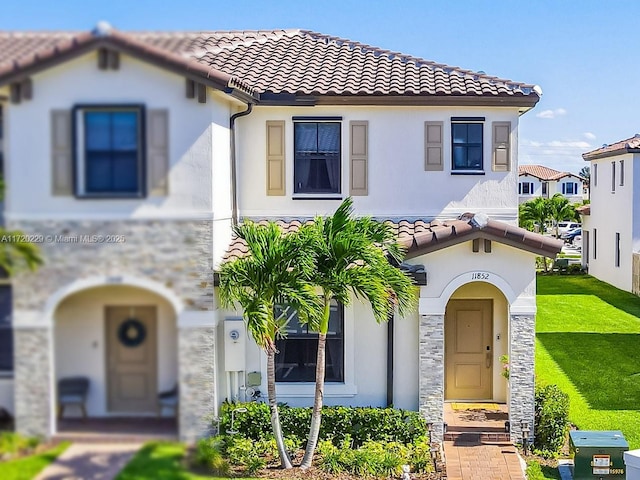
(32, 380)
(431, 394)
(521, 375)
(197, 380)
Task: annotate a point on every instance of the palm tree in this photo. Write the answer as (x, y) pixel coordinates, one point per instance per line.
(274, 272)
(560, 209)
(17, 254)
(585, 172)
(535, 212)
(352, 257)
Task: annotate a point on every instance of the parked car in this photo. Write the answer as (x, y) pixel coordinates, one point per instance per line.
(570, 235)
(563, 227)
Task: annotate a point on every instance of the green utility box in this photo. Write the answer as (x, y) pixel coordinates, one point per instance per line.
(598, 454)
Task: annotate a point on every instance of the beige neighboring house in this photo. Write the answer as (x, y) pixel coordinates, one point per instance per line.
(130, 155)
(540, 181)
(611, 223)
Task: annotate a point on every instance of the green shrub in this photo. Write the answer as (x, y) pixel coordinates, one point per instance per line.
(360, 424)
(575, 269)
(551, 419)
(12, 443)
(245, 453)
(209, 453)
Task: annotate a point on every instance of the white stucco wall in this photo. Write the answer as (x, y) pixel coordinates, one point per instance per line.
(553, 187)
(80, 346)
(398, 184)
(611, 213)
(198, 142)
(6, 394)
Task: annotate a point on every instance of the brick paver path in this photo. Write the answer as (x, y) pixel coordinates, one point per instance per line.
(90, 462)
(474, 461)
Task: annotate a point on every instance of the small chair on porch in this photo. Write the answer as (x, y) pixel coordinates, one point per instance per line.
(73, 391)
(168, 399)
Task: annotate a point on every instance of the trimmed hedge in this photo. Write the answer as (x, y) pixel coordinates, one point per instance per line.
(359, 424)
(551, 419)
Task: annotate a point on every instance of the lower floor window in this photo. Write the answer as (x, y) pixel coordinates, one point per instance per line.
(6, 332)
(297, 353)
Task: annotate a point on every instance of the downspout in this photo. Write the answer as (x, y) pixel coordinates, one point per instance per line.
(234, 175)
(390, 342)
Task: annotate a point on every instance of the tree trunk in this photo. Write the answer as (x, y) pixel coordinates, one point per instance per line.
(316, 415)
(285, 461)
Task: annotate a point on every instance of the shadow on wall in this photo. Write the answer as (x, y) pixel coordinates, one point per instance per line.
(602, 366)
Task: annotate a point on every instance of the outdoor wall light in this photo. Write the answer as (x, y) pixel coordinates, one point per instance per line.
(524, 425)
(231, 431)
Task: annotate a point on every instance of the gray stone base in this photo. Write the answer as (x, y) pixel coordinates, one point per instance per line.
(32, 384)
(431, 393)
(521, 375)
(197, 379)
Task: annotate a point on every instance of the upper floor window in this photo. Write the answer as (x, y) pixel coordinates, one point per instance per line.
(317, 159)
(109, 151)
(297, 352)
(6, 333)
(525, 188)
(621, 173)
(595, 174)
(545, 186)
(613, 177)
(467, 144)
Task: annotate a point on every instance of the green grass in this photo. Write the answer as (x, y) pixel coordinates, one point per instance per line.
(159, 461)
(28, 467)
(535, 471)
(587, 343)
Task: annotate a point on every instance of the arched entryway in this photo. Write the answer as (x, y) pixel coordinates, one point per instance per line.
(122, 337)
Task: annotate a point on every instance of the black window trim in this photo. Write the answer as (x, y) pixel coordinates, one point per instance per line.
(142, 193)
(317, 195)
(314, 336)
(468, 120)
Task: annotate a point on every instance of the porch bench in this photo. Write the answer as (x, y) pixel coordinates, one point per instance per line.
(73, 391)
(561, 265)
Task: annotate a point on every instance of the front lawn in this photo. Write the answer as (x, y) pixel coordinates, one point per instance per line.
(588, 334)
(28, 467)
(159, 461)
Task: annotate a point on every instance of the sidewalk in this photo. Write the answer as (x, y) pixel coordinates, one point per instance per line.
(90, 462)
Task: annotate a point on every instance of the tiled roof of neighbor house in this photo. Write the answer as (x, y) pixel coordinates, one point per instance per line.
(297, 62)
(584, 209)
(420, 237)
(630, 145)
(542, 172)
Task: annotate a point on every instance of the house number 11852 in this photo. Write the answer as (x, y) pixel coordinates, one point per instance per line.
(479, 276)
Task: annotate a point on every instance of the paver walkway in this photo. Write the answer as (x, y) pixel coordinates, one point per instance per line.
(95, 461)
(474, 461)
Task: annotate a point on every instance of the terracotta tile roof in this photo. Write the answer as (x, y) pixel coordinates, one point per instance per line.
(282, 62)
(541, 172)
(584, 209)
(420, 237)
(630, 145)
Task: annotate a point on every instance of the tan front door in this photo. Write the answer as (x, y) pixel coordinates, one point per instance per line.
(468, 350)
(131, 359)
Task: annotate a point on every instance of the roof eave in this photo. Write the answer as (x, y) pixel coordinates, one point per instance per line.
(587, 157)
(521, 101)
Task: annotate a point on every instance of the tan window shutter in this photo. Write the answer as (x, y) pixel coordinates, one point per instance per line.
(61, 153)
(433, 146)
(359, 157)
(501, 151)
(275, 157)
(158, 152)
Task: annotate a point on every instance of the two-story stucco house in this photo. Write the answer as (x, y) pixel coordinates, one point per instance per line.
(540, 181)
(129, 156)
(611, 223)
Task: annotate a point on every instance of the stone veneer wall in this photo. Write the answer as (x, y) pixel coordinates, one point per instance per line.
(31, 386)
(431, 392)
(521, 374)
(176, 253)
(197, 378)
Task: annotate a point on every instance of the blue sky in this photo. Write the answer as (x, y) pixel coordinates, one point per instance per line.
(583, 53)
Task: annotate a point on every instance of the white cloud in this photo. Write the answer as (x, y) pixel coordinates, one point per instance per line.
(551, 113)
(589, 135)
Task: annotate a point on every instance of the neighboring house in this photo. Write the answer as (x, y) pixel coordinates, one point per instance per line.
(611, 223)
(130, 155)
(540, 181)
